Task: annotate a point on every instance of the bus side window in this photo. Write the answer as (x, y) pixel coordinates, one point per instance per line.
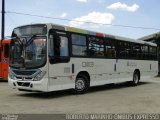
(110, 49)
(58, 47)
(61, 46)
(79, 45)
(145, 51)
(64, 46)
(128, 50)
(6, 51)
(61, 49)
(152, 53)
(96, 47)
(136, 51)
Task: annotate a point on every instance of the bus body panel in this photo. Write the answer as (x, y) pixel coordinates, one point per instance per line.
(102, 72)
(60, 76)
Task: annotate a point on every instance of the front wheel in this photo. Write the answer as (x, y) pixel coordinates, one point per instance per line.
(81, 84)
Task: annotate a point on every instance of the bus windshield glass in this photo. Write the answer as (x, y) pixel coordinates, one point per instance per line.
(28, 52)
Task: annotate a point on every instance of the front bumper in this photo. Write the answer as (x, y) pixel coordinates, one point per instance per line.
(29, 85)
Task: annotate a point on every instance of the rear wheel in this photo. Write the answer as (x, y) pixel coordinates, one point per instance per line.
(81, 84)
(135, 79)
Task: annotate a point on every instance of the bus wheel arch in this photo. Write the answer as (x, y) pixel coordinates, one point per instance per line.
(82, 82)
(136, 77)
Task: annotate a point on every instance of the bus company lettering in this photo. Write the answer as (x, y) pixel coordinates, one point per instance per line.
(87, 64)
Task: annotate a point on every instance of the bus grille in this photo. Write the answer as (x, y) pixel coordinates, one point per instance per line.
(24, 78)
(25, 84)
(18, 72)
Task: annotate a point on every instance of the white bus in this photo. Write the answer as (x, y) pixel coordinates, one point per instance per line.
(50, 57)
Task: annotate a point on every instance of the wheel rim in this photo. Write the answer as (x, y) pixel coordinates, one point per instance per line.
(136, 79)
(80, 85)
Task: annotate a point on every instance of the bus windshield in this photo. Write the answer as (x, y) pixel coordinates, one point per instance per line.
(28, 52)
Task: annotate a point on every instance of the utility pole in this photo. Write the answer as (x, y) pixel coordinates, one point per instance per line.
(3, 20)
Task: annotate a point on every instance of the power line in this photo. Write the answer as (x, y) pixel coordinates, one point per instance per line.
(64, 19)
(11, 19)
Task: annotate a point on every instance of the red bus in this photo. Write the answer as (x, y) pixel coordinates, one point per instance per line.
(4, 59)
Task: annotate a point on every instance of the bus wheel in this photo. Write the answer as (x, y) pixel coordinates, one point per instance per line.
(81, 84)
(135, 79)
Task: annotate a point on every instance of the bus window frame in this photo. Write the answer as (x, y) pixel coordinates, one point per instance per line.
(59, 59)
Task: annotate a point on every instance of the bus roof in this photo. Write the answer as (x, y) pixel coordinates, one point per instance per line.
(88, 32)
(77, 30)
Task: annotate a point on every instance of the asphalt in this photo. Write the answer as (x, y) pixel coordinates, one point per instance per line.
(119, 98)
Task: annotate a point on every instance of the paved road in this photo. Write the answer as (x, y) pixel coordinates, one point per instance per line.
(121, 98)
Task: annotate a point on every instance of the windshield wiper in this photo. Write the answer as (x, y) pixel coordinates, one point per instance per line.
(28, 42)
(31, 39)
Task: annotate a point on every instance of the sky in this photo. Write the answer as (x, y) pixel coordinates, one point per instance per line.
(107, 13)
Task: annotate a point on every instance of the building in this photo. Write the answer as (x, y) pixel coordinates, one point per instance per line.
(151, 38)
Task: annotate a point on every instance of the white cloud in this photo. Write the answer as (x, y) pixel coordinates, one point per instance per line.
(94, 17)
(101, 1)
(123, 6)
(49, 13)
(63, 15)
(84, 1)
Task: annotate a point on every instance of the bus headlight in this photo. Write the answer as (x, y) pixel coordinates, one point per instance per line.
(40, 76)
(11, 75)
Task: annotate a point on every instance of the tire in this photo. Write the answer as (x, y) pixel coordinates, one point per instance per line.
(135, 79)
(81, 84)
